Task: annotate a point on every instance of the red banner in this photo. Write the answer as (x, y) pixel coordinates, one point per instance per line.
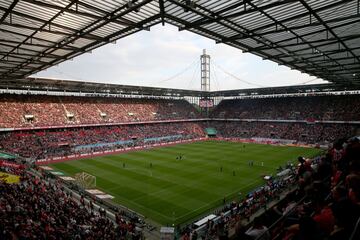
(11, 165)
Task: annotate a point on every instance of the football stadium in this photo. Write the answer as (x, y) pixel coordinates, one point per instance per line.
(83, 159)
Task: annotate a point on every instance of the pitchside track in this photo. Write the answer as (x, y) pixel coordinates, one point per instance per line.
(160, 186)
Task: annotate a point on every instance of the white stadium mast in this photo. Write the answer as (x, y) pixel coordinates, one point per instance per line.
(205, 102)
(205, 71)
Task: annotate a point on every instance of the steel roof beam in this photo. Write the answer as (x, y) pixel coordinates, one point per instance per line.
(44, 22)
(77, 12)
(216, 17)
(23, 49)
(313, 24)
(86, 30)
(345, 71)
(288, 29)
(254, 31)
(337, 68)
(319, 31)
(121, 18)
(335, 4)
(328, 41)
(11, 68)
(314, 55)
(328, 28)
(26, 54)
(11, 62)
(330, 66)
(37, 44)
(319, 61)
(162, 11)
(294, 33)
(8, 11)
(24, 35)
(55, 32)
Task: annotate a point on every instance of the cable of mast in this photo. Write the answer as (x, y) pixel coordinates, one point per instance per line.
(217, 85)
(180, 73)
(235, 77)
(311, 80)
(196, 70)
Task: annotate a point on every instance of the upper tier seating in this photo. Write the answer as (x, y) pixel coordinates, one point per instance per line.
(43, 110)
(341, 108)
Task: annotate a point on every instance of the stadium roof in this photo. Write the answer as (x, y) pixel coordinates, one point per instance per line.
(282, 90)
(63, 85)
(71, 86)
(318, 37)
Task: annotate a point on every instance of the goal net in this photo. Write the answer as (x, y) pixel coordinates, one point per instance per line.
(85, 180)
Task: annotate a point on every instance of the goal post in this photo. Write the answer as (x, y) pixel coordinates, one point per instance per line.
(85, 180)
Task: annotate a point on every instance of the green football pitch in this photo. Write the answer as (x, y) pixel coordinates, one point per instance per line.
(166, 190)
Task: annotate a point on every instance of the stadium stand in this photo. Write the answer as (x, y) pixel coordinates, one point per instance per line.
(301, 132)
(340, 108)
(40, 209)
(42, 110)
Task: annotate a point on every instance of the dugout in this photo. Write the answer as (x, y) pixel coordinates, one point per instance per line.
(210, 132)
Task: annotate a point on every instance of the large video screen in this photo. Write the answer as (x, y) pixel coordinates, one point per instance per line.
(206, 103)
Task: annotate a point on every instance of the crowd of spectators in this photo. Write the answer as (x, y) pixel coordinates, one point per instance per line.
(331, 208)
(40, 144)
(39, 209)
(46, 110)
(335, 107)
(301, 132)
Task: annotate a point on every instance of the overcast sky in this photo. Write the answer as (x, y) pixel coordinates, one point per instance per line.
(165, 57)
